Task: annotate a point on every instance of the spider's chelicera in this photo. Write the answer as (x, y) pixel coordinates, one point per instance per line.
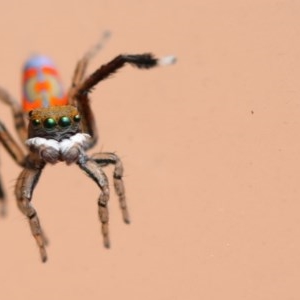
(57, 127)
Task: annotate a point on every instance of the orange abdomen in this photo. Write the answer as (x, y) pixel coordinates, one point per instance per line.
(42, 86)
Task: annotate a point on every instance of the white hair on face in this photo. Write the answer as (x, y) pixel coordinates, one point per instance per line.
(81, 138)
(38, 142)
(67, 150)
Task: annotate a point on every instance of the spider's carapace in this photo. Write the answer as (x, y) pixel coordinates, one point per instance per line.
(42, 86)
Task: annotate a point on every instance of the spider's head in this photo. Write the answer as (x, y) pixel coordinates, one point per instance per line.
(54, 122)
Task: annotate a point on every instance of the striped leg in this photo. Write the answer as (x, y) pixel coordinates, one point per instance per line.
(107, 158)
(24, 189)
(94, 171)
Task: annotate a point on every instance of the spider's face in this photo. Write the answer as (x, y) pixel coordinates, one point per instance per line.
(55, 122)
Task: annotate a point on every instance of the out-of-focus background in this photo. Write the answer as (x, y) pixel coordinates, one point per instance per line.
(210, 148)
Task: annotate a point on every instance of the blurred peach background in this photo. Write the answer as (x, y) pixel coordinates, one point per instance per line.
(210, 148)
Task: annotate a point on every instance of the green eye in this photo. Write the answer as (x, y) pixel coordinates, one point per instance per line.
(36, 122)
(64, 122)
(77, 118)
(49, 123)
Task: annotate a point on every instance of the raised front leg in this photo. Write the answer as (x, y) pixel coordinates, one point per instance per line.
(94, 171)
(24, 189)
(108, 158)
(141, 61)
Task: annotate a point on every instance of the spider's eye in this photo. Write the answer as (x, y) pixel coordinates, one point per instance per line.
(36, 122)
(49, 123)
(64, 122)
(77, 118)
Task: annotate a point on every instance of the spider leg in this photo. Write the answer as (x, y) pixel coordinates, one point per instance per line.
(82, 64)
(93, 170)
(24, 188)
(11, 146)
(16, 153)
(141, 61)
(18, 114)
(107, 158)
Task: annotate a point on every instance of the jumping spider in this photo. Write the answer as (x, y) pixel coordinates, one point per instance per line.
(56, 127)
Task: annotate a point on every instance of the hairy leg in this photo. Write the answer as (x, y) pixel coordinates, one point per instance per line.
(108, 158)
(24, 189)
(93, 170)
(141, 61)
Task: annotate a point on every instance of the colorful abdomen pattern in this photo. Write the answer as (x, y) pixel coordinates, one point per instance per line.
(42, 86)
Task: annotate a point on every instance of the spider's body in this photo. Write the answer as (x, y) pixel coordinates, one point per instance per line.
(55, 127)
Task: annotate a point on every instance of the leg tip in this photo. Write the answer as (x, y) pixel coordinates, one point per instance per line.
(44, 259)
(43, 253)
(3, 207)
(127, 221)
(125, 215)
(3, 211)
(167, 60)
(107, 244)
